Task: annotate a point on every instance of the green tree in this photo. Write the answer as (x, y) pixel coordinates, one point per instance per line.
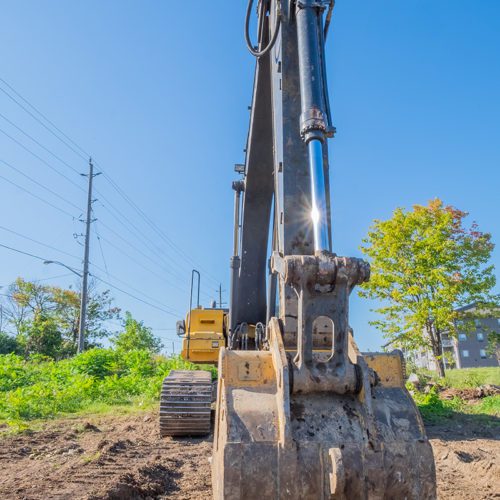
(136, 336)
(8, 344)
(41, 335)
(44, 319)
(99, 310)
(425, 264)
(493, 348)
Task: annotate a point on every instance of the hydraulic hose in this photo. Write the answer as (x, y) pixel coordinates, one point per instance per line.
(270, 45)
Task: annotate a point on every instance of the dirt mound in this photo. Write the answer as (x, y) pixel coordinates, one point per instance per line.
(149, 481)
(471, 394)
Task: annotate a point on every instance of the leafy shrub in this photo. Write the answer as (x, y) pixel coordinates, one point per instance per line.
(99, 363)
(13, 372)
(433, 408)
(43, 388)
(42, 400)
(136, 336)
(139, 362)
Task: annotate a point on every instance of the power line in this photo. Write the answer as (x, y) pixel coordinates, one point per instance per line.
(102, 252)
(120, 191)
(37, 119)
(154, 273)
(152, 224)
(134, 296)
(39, 242)
(22, 252)
(117, 248)
(41, 159)
(39, 144)
(137, 250)
(126, 284)
(129, 225)
(73, 256)
(57, 157)
(155, 251)
(37, 197)
(97, 277)
(45, 118)
(54, 277)
(45, 201)
(40, 184)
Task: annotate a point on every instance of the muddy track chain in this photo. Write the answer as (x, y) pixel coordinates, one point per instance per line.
(185, 402)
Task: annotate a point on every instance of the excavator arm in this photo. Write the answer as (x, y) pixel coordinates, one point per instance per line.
(303, 414)
(286, 168)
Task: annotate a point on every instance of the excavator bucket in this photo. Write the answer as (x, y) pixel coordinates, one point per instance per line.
(270, 443)
(315, 423)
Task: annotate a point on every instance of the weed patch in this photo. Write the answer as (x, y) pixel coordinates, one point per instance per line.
(96, 379)
(433, 408)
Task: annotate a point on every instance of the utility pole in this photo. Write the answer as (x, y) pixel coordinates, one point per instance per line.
(85, 275)
(220, 291)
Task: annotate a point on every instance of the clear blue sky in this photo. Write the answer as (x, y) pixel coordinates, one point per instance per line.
(158, 91)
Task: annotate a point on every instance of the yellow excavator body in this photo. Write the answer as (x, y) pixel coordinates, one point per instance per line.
(187, 395)
(204, 335)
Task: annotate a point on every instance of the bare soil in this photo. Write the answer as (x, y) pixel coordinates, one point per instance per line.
(122, 458)
(108, 457)
(471, 394)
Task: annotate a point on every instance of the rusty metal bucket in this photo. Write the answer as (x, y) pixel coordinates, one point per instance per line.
(272, 442)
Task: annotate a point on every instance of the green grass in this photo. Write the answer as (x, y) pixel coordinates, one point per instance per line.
(489, 405)
(472, 377)
(433, 408)
(464, 378)
(93, 382)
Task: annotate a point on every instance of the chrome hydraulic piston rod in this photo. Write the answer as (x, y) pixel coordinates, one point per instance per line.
(314, 119)
(238, 187)
(319, 212)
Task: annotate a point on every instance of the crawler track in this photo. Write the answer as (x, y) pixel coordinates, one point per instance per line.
(185, 402)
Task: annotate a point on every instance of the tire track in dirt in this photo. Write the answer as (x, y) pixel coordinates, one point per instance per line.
(112, 458)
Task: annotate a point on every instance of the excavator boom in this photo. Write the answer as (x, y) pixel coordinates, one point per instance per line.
(303, 414)
(300, 412)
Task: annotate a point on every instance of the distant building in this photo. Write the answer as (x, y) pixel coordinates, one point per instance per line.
(468, 350)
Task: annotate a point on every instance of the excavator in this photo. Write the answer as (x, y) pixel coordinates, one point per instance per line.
(300, 412)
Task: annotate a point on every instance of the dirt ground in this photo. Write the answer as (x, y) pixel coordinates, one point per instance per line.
(122, 458)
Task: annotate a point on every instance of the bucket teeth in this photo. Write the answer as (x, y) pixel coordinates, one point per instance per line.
(185, 403)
